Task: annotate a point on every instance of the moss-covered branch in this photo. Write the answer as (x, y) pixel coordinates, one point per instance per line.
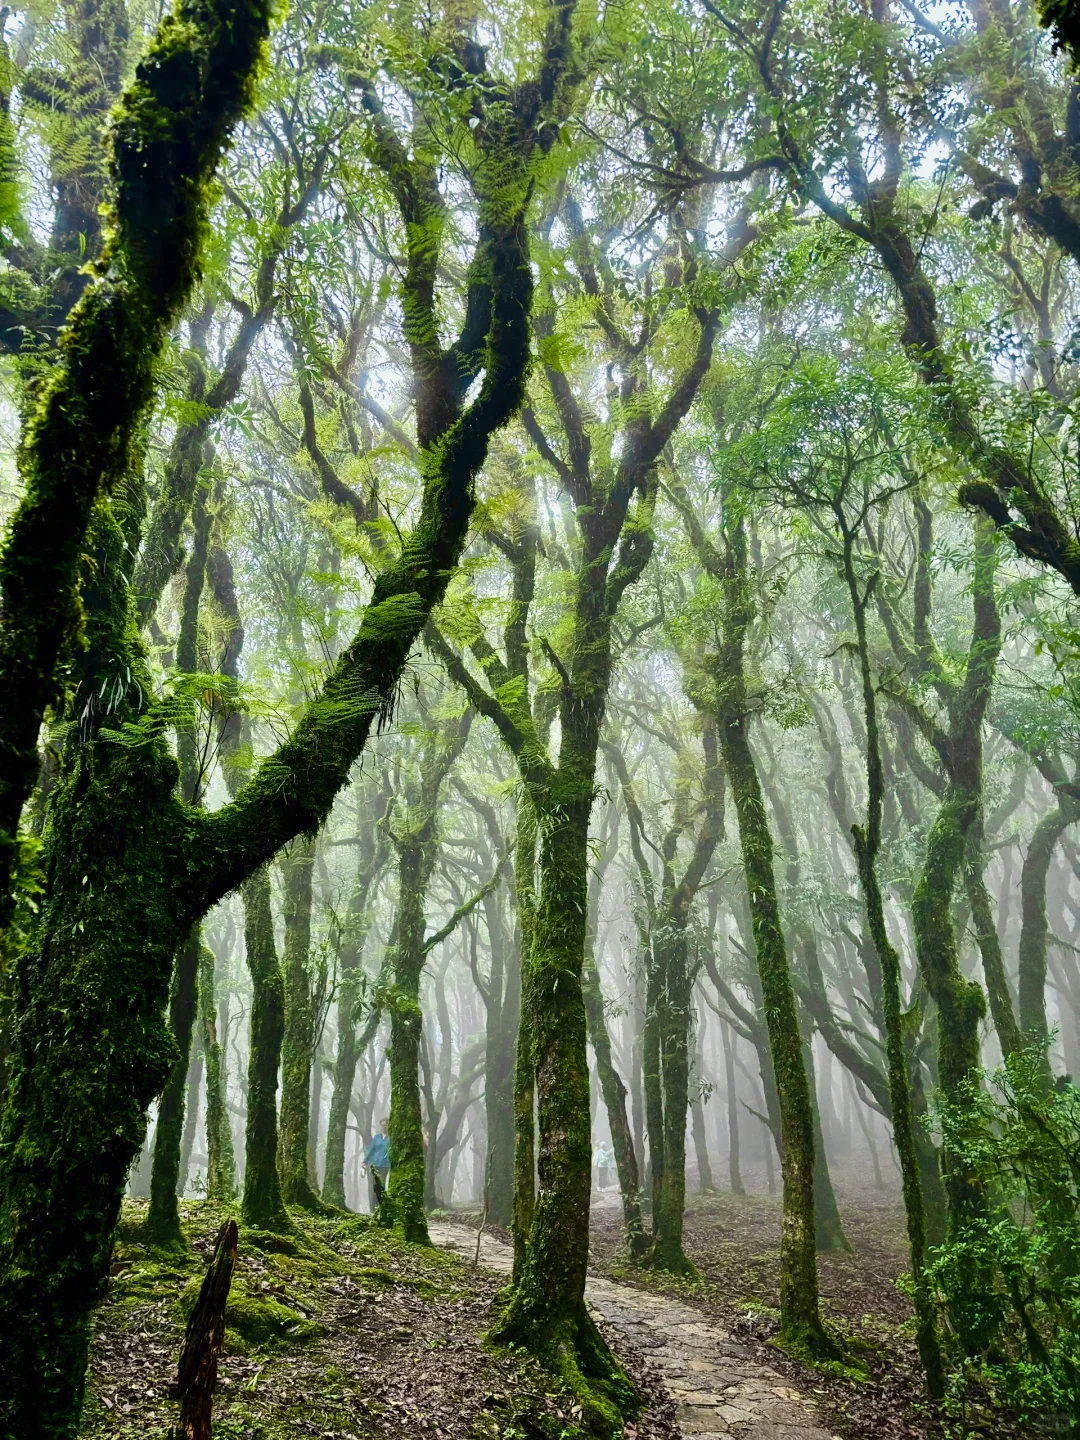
(190, 90)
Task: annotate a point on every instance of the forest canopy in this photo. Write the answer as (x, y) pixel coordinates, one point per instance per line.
(539, 601)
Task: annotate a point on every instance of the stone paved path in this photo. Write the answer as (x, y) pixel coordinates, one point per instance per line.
(718, 1386)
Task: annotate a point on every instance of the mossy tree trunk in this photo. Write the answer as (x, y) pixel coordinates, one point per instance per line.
(404, 1201)
(830, 1237)
(163, 1219)
(960, 1002)
(298, 1037)
(547, 1313)
(800, 1318)
(373, 852)
(677, 971)
(501, 996)
(415, 837)
(263, 1205)
(220, 1159)
(96, 980)
(614, 1092)
(524, 1084)
(502, 1020)
(191, 1114)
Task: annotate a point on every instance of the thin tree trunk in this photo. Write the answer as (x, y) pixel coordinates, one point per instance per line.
(220, 1161)
(728, 1040)
(614, 1092)
(524, 1065)
(800, 1322)
(297, 871)
(867, 843)
(1034, 928)
(191, 1116)
(163, 1218)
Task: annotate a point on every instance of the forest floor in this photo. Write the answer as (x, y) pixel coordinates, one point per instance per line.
(734, 1243)
(343, 1334)
(339, 1333)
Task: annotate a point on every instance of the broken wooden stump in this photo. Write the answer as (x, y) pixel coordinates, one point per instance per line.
(203, 1340)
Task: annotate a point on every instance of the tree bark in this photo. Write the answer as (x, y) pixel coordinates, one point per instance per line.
(298, 1037)
(203, 1340)
(220, 1161)
(800, 1322)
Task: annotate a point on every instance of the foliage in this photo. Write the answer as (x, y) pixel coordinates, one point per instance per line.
(1008, 1281)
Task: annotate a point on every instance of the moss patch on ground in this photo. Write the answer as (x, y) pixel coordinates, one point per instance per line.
(337, 1330)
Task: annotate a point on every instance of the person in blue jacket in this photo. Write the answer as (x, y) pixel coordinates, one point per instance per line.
(377, 1155)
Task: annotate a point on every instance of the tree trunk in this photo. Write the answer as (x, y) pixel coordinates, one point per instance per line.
(614, 1092)
(800, 1319)
(547, 1312)
(829, 1234)
(502, 1014)
(220, 1161)
(405, 1195)
(652, 1083)
(734, 1172)
(866, 842)
(672, 960)
(1033, 927)
(524, 1065)
(299, 1031)
(263, 1207)
(191, 1115)
(163, 1219)
(333, 1190)
(203, 1340)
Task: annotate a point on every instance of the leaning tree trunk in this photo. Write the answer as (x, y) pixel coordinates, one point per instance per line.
(614, 1093)
(129, 870)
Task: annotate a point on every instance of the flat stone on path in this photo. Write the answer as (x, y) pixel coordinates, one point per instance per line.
(719, 1387)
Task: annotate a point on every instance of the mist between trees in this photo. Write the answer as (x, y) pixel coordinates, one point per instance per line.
(539, 605)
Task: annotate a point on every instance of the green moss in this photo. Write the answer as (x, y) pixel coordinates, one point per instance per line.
(257, 1321)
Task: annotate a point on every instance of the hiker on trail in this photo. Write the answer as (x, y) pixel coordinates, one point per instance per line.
(605, 1158)
(377, 1155)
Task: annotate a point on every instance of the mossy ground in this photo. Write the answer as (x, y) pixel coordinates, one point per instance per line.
(339, 1330)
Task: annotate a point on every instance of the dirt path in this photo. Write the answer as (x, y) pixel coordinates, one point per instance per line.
(718, 1387)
